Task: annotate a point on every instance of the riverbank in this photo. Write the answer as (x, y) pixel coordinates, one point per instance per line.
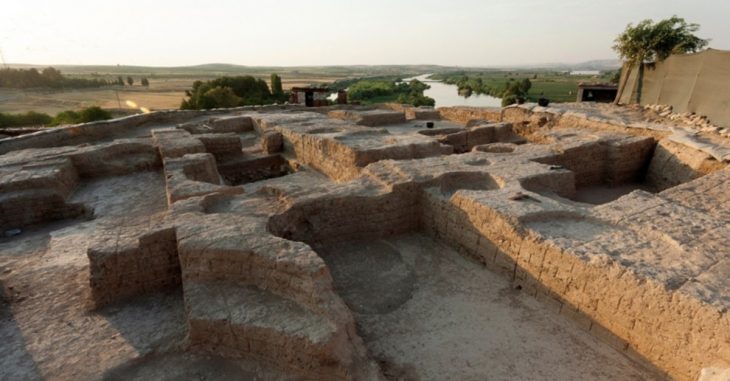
(447, 95)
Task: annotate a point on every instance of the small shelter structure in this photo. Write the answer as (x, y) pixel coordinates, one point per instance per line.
(310, 96)
(597, 92)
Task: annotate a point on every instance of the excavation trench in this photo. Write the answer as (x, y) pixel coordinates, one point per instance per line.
(424, 303)
(606, 170)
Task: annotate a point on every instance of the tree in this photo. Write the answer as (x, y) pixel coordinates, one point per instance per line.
(515, 91)
(120, 81)
(276, 88)
(227, 92)
(130, 81)
(144, 82)
(648, 41)
(219, 97)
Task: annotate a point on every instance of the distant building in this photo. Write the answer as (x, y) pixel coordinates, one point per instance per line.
(597, 92)
(309, 96)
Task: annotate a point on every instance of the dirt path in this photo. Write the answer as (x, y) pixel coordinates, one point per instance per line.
(435, 315)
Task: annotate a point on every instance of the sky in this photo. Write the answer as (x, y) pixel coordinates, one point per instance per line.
(334, 32)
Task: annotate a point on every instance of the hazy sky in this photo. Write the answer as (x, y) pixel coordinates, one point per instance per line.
(333, 32)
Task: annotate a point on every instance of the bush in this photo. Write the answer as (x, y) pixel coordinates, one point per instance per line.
(227, 92)
(30, 118)
(92, 114)
(89, 114)
(515, 92)
(390, 90)
(220, 97)
(66, 117)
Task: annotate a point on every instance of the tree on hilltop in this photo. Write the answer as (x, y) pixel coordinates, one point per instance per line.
(650, 41)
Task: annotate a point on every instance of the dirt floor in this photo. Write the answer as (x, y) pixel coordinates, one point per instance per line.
(597, 195)
(428, 313)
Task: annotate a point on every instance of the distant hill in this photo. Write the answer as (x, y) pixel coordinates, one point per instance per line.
(600, 65)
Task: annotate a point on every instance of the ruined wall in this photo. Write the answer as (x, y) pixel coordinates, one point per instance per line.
(369, 118)
(463, 115)
(605, 162)
(133, 265)
(349, 218)
(629, 312)
(108, 129)
(674, 164)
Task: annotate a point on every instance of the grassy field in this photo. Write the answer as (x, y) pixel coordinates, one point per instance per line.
(556, 86)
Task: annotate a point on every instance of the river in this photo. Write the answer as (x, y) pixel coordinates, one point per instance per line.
(447, 95)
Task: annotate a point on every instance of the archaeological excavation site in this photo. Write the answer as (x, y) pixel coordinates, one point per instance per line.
(576, 242)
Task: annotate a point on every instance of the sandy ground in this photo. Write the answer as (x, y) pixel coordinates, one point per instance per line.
(427, 313)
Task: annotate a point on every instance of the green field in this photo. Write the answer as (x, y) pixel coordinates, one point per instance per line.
(553, 85)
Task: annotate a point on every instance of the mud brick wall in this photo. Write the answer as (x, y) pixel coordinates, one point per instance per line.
(92, 132)
(309, 345)
(223, 146)
(632, 314)
(418, 150)
(674, 164)
(463, 115)
(295, 354)
(422, 113)
(327, 155)
(371, 118)
(121, 157)
(611, 163)
(37, 193)
(635, 315)
(587, 161)
(139, 263)
(235, 124)
(627, 160)
(192, 175)
(249, 170)
(174, 143)
(57, 175)
(30, 207)
(250, 267)
(349, 218)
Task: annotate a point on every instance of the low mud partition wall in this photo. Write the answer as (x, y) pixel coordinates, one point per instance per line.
(348, 218)
(673, 164)
(135, 264)
(251, 170)
(606, 162)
